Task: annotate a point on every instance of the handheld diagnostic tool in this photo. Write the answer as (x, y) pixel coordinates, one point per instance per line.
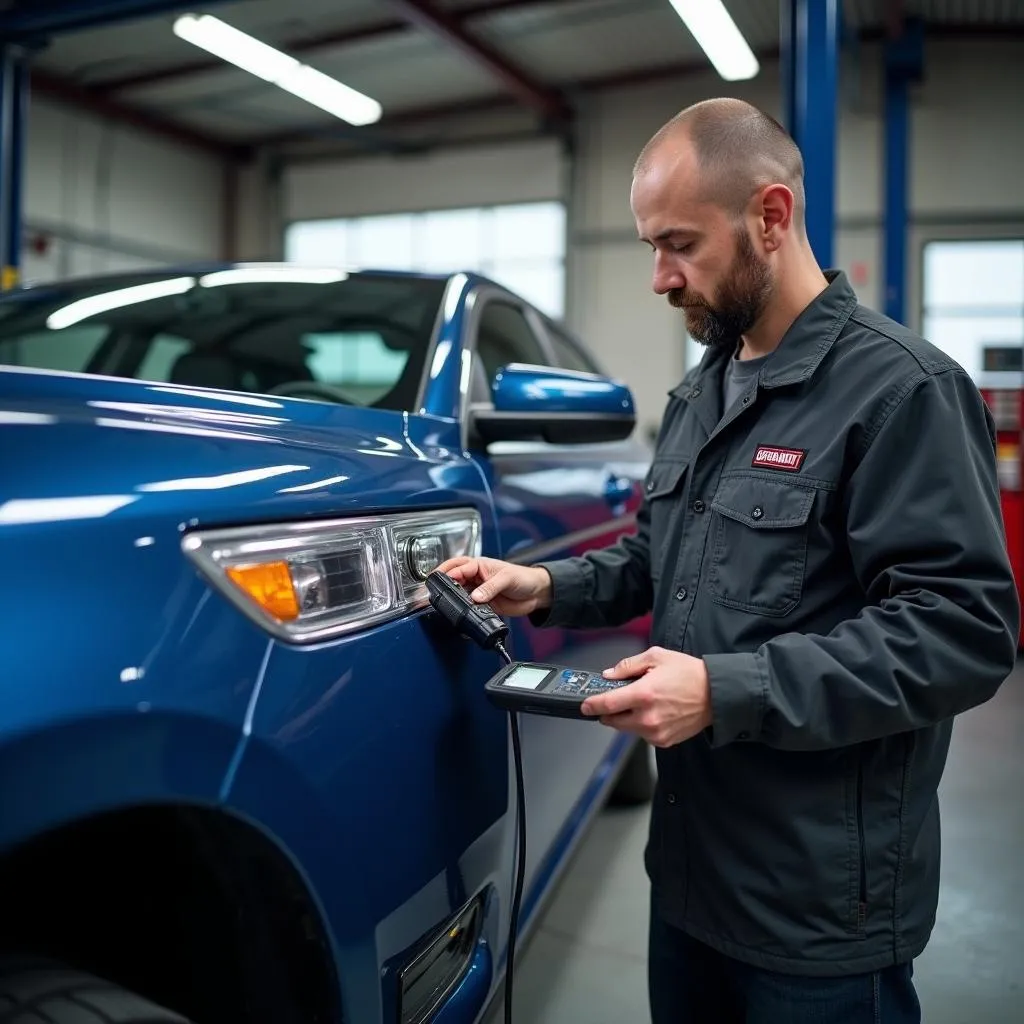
(540, 689)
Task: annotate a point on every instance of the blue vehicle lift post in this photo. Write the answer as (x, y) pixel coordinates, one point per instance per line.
(904, 63)
(13, 118)
(809, 37)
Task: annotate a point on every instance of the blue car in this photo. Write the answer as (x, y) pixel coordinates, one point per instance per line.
(248, 773)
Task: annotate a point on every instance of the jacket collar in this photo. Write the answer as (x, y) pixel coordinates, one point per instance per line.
(803, 347)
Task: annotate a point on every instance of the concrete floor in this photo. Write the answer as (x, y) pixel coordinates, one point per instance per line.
(586, 960)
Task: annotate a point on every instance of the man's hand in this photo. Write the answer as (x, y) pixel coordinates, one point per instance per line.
(508, 588)
(669, 702)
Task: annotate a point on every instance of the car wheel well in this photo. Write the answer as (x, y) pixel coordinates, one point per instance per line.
(186, 906)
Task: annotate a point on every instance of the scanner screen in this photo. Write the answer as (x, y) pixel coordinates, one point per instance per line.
(526, 677)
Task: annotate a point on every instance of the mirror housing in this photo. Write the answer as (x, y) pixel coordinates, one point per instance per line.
(542, 403)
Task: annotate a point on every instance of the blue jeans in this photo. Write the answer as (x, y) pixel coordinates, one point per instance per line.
(690, 983)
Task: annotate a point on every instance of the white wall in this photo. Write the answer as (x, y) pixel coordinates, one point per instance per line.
(109, 197)
(518, 172)
(967, 149)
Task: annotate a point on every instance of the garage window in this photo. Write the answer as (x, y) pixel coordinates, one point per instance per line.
(974, 302)
(521, 246)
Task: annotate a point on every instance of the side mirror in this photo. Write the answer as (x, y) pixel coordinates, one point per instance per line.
(540, 403)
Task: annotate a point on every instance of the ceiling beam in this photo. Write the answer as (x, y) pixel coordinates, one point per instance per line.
(69, 93)
(305, 45)
(548, 102)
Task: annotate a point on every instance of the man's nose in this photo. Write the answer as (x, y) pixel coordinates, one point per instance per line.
(666, 274)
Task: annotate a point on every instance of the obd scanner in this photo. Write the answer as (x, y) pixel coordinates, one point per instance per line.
(519, 686)
(539, 689)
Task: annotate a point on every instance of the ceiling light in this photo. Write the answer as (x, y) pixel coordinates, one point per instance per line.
(719, 38)
(249, 54)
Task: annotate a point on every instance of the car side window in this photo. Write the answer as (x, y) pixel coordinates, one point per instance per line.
(504, 336)
(568, 355)
(70, 350)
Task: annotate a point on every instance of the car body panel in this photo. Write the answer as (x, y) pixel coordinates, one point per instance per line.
(374, 760)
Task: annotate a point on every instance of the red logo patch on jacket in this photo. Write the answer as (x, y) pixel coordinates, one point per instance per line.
(787, 459)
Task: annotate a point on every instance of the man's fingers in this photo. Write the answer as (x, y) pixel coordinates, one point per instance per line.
(454, 563)
(460, 569)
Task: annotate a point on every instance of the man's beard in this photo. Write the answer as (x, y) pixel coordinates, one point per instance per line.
(739, 303)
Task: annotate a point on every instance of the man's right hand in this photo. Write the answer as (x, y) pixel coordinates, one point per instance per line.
(509, 589)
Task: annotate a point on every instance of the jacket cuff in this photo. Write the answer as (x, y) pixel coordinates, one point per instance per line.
(568, 594)
(738, 695)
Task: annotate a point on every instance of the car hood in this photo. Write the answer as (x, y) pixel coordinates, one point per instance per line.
(77, 446)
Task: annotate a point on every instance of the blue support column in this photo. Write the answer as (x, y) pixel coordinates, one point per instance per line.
(904, 63)
(13, 123)
(810, 81)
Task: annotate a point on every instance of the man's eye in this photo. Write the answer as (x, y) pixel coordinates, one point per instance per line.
(685, 248)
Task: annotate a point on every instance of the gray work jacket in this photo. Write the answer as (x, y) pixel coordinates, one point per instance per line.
(833, 549)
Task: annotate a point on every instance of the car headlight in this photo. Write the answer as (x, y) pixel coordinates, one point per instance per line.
(306, 582)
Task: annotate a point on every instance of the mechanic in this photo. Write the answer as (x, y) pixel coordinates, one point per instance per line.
(821, 545)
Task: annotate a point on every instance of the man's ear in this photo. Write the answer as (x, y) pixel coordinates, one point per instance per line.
(775, 216)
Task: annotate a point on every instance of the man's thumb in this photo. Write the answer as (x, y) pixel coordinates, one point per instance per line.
(631, 668)
(491, 588)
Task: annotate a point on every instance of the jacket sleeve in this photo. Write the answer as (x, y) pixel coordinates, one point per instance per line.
(609, 587)
(939, 630)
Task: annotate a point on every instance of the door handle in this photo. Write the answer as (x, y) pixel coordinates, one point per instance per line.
(617, 489)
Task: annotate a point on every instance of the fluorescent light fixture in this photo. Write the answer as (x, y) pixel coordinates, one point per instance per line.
(719, 38)
(73, 312)
(249, 54)
(272, 275)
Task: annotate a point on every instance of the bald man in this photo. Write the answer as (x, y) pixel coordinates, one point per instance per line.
(821, 544)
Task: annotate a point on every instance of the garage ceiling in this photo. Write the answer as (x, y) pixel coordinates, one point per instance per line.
(421, 59)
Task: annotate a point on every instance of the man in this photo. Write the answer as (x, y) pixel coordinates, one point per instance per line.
(821, 544)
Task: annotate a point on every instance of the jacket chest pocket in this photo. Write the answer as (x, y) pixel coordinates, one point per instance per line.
(663, 489)
(759, 554)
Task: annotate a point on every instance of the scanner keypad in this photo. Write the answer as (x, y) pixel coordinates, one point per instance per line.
(574, 683)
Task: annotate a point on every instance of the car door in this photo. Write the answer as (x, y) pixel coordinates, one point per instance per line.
(553, 501)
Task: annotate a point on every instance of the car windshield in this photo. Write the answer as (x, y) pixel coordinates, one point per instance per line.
(357, 338)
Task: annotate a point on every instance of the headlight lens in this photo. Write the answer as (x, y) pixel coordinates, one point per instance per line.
(307, 582)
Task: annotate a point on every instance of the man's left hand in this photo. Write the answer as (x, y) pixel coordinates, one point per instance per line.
(669, 702)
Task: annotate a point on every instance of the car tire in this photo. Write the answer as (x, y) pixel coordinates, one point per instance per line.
(635, 784)
(40, 990)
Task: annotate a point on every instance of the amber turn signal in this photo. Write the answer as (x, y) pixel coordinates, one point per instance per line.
(270, 586)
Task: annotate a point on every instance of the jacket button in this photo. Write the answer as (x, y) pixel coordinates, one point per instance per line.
(744, 735)
(671, 798)
(695, 392)
(698, 506)
(681, 594)
(757, 512)
(650, 486)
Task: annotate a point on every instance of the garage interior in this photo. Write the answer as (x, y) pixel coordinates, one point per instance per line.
(505, 141)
